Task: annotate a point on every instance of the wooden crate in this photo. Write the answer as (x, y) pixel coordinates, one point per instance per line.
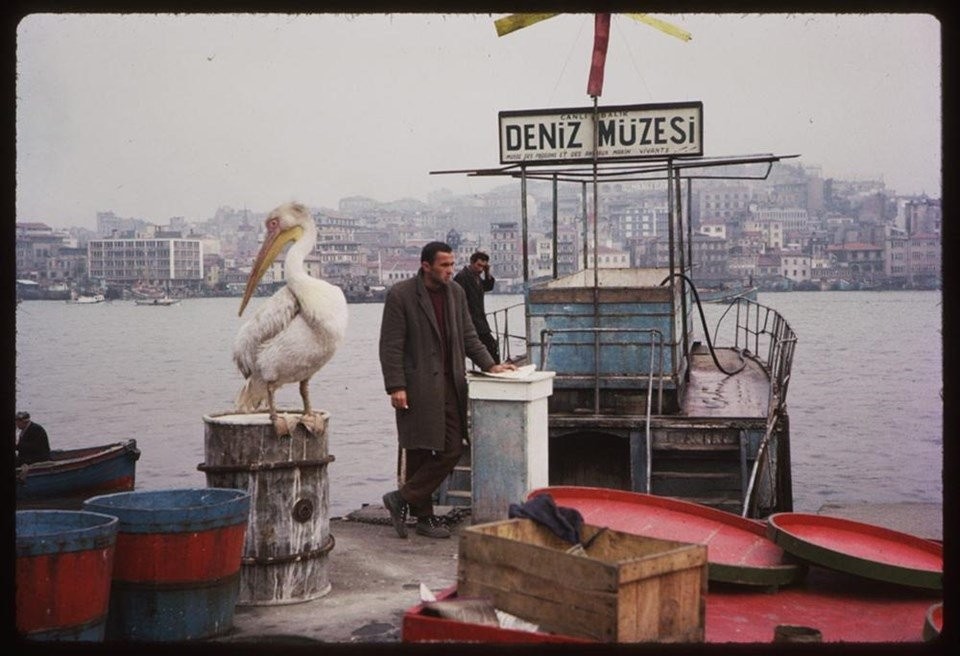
(627, 588)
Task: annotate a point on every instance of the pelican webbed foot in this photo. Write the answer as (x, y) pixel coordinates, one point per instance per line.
(312, 422)
(281, 425)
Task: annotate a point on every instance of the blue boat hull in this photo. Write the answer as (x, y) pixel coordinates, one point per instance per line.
(77, 474)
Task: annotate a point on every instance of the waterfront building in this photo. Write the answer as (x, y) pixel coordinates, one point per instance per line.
(167, 262)
(742, 266)
(795, 266)
(37, 252)
(709, 256)
(859, 261)
(768, 266)
(772, 232)
(913, 260)
(393, 269)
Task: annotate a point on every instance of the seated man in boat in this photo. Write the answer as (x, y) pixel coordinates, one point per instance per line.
(32, 443)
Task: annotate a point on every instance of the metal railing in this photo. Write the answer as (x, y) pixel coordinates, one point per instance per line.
(760, 332)
(506, 339)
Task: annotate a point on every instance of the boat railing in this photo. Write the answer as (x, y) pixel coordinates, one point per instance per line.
(761, 332)
(500, 323)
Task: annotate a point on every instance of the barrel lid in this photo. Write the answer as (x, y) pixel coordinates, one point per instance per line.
(253, 418)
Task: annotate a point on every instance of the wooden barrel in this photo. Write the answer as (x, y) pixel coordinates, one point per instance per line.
(176, 574)
(285, 554)
(63, 567)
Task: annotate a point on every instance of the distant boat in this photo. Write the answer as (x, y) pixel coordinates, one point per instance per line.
(73, 475)
(166, 300)
(88, 300)
(727, 295)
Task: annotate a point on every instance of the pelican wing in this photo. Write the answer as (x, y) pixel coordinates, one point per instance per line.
(270, 319)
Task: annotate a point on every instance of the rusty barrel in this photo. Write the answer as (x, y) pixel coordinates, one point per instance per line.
(64, 560)
(285, 553)
(176, 573)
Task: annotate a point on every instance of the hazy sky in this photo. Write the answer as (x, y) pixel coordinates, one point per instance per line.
(156, 116)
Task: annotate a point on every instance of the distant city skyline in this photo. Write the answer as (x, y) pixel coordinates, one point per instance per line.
(159, 116)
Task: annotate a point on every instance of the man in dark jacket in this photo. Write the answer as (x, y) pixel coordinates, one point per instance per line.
(32, 444)
(476, 280)
(425, 336)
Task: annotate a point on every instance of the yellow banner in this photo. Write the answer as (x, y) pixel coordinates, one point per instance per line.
(514, 22)
(663, 26)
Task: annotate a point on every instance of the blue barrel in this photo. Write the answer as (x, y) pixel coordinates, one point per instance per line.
(176, 574)
(63, 572)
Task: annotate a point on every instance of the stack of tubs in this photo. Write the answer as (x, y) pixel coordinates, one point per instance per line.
(149, 566)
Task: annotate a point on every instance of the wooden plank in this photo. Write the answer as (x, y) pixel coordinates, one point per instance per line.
(537, 560)
(516, 578)
(532, 598)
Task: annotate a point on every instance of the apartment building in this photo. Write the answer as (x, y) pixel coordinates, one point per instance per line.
(165, 261)
(506, 253)
(795, 266)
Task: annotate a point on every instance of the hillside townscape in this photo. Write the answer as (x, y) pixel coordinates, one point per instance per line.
(793, 230)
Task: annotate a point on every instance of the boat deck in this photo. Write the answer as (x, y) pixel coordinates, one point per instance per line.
(712, 393)
(376, 576)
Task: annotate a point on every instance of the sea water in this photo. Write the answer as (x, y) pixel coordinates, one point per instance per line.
(864, 398)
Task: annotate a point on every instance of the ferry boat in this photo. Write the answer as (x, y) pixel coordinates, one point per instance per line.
(84, 299)
(640, 401)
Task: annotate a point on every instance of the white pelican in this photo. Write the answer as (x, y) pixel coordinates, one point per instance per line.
(294, 333)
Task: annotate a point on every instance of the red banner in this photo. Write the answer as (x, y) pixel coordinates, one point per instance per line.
(601, 36)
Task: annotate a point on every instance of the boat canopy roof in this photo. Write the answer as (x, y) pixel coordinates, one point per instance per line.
(750, 167)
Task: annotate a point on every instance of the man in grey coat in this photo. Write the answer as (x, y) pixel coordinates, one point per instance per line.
(425, 336)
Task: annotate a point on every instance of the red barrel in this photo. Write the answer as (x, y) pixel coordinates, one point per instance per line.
(177, 570)
(63, 571)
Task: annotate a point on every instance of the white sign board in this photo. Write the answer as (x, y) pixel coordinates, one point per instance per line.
(626, 131)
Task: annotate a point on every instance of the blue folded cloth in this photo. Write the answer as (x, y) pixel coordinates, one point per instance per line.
(564, 522)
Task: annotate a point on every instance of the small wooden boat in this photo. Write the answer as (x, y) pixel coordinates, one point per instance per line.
(73, 475)
(870, 551)
(727, 295)
(164, 301)
(738, 550)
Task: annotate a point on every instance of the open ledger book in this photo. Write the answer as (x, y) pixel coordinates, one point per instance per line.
(521, 372)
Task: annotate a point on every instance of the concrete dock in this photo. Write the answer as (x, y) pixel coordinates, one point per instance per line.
(376, 577)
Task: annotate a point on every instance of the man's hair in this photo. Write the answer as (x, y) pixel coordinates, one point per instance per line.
(479, 255)
(429, 252)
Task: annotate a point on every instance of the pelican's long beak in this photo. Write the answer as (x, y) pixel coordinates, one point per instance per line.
(272, 245)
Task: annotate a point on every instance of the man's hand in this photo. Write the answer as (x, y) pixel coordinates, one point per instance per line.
(500, 368)
(398, 399)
